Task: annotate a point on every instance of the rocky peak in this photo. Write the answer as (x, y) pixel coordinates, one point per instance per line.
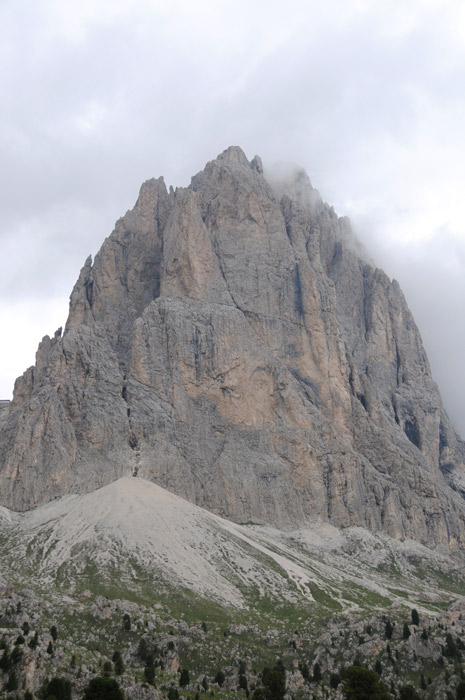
(232, 343)
(233, 157)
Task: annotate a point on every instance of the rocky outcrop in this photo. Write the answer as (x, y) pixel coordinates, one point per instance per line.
(4, 409)
(232, 343)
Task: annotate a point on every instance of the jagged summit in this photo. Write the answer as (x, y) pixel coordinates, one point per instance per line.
(233, 156)
(231, 343)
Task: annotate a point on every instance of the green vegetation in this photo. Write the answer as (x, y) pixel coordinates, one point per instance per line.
(59, 688)
(134, 626)
(184, 678)
(362, 684)
(96, 640)
(103, 689)
(273, 684)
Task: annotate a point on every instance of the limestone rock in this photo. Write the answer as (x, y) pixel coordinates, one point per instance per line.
(232, 342)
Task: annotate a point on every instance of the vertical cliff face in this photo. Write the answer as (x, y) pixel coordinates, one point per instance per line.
(232, 343)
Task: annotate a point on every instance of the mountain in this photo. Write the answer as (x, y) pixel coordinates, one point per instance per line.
(233, 458)
(232, 343)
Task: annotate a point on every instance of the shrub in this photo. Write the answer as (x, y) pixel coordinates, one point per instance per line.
(34, 641)
(149, 674)
(12, 683)
(103, 689)
(107, 669)
(16, 655)
(220, 678)
(142, 649)
(184, 678)
(274, 683)
(60, 688)
(242, 681)
(450, 649)
(360, 683)
(118, 661)
(5, 662)
(408, 692)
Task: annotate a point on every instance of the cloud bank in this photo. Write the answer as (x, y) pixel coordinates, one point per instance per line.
(367, 97)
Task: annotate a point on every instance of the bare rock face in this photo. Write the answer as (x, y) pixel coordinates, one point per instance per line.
(232, 343)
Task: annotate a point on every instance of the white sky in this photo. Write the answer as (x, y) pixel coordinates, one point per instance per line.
(98, 96)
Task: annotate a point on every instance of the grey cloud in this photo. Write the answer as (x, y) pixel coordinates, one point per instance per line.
(369, 101)
(433, 281)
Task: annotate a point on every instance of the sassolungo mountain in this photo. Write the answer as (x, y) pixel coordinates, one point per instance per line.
(232, 343)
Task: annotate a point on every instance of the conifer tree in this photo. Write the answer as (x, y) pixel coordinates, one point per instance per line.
(33, 643)
(149, 674)
(316, 673)
(119, 664)
(103, 689)
(59, 688)
(184, 678)
(12, 683)
(360, 683)
(220, 678)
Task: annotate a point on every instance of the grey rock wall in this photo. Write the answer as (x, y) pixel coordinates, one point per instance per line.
(232, 342)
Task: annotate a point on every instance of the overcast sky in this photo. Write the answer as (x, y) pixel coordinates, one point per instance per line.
(98, 96)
